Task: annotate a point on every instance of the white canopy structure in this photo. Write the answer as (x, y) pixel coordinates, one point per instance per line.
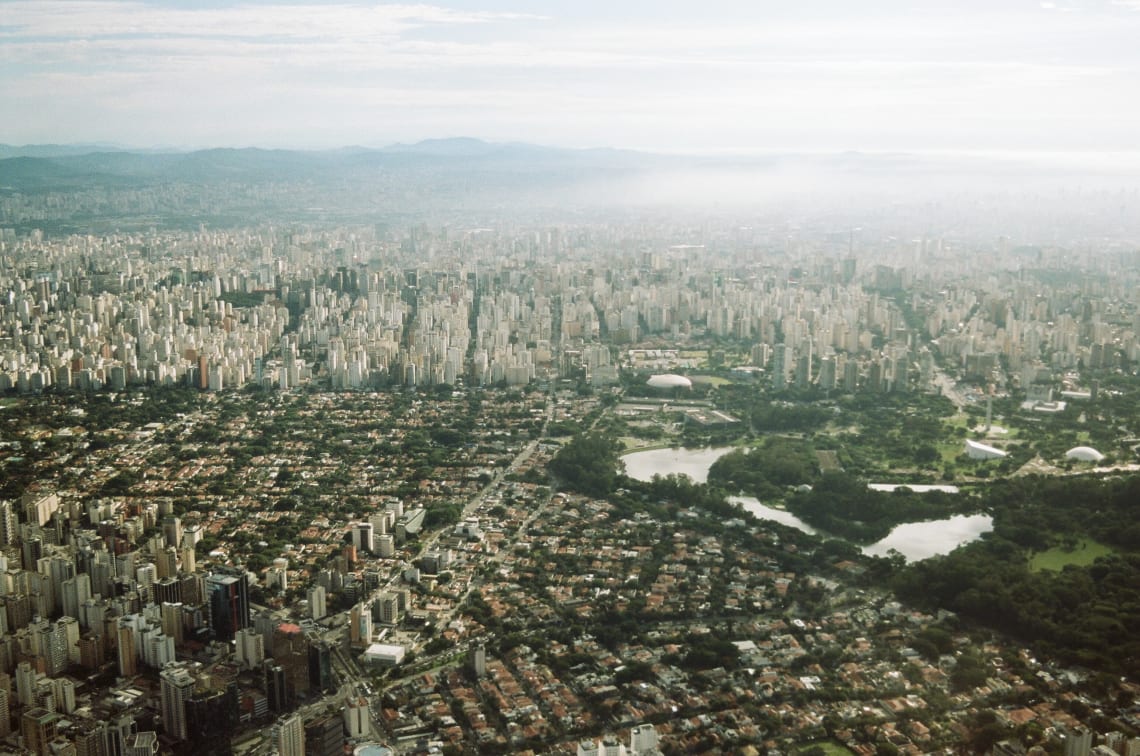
(974, 450)
(669, 380)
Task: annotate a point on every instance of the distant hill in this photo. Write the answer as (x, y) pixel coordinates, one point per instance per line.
(41, 166)
(51, 150)
(72, 167)
(453, 147)
(466, 177)
(35, 174)
(232, 187)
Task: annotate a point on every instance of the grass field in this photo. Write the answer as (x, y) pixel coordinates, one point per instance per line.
(830, 747)
(951, 450)
(633, 444)
(828, 461)
(714, 380)
(1086, 552)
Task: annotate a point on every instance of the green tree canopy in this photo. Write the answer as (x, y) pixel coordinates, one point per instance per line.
(589, 464)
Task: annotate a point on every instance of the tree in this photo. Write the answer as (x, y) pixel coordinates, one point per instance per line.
(589, 464)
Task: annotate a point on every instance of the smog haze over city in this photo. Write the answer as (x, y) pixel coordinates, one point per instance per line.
(574, 378)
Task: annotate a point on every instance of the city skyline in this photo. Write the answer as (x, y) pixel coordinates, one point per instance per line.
(1022, 78)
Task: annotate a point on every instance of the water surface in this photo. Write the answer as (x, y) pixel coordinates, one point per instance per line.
(922, 540)
(695, 463)
(914, 540)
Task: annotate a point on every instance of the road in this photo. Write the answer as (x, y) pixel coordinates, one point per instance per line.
(949, 389)
(346, 669)
(479, 499)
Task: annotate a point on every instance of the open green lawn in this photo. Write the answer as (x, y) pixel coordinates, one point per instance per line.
(830, 747)
(951, 450)
(1086, 552)
(633, 444)
(713, 380)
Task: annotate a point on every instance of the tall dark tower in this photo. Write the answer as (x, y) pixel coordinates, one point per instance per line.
(276, 687)
(320, 666)
(229, 603)
(211, 718)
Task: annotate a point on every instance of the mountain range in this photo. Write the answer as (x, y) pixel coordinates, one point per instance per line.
(457, 177)
(55, 167)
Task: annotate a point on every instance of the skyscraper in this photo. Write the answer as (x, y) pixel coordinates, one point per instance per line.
(357, 719)
(38, 728)
(249, 648)
(362, 536)
(276, 687)
(291, 652)
(324, 737)
(172, 530)
(7, 524)
(780, 367)
(74, 591)
(229, 603)
(211, 717)
(5, 713)
(65, 641)
(166, 563)
(479, 660)
(317, 602)
(52, 642)
(25, 683)
(177, 687)
(320, 665)
(128, 654)
(290, 736)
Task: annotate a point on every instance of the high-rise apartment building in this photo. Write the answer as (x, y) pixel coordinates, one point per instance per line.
(362, 536)
(177, 685)
(318, 598)
(38, 728)
(290, 736)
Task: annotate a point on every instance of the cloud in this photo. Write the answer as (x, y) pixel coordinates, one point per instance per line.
(853, 78)
(89, 20)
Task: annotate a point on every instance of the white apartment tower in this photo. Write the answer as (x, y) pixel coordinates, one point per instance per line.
(249, 647)
(177, 687)
(643, 740)
(318, 602)
(290, 736)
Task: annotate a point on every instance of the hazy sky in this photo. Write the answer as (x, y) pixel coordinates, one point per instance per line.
(709, 76)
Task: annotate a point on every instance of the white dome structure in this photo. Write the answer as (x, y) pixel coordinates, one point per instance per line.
(1084, 454)
(669, 381)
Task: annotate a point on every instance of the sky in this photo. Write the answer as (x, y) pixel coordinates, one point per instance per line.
(708, 77)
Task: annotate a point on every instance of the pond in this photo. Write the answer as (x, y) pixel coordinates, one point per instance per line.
(695, 463)
(914, 540)
(921, 540)
(763, 512)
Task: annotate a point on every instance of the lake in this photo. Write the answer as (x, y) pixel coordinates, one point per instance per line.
(763, 512)
(914, 540)
(921, 540)
(695, 463)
